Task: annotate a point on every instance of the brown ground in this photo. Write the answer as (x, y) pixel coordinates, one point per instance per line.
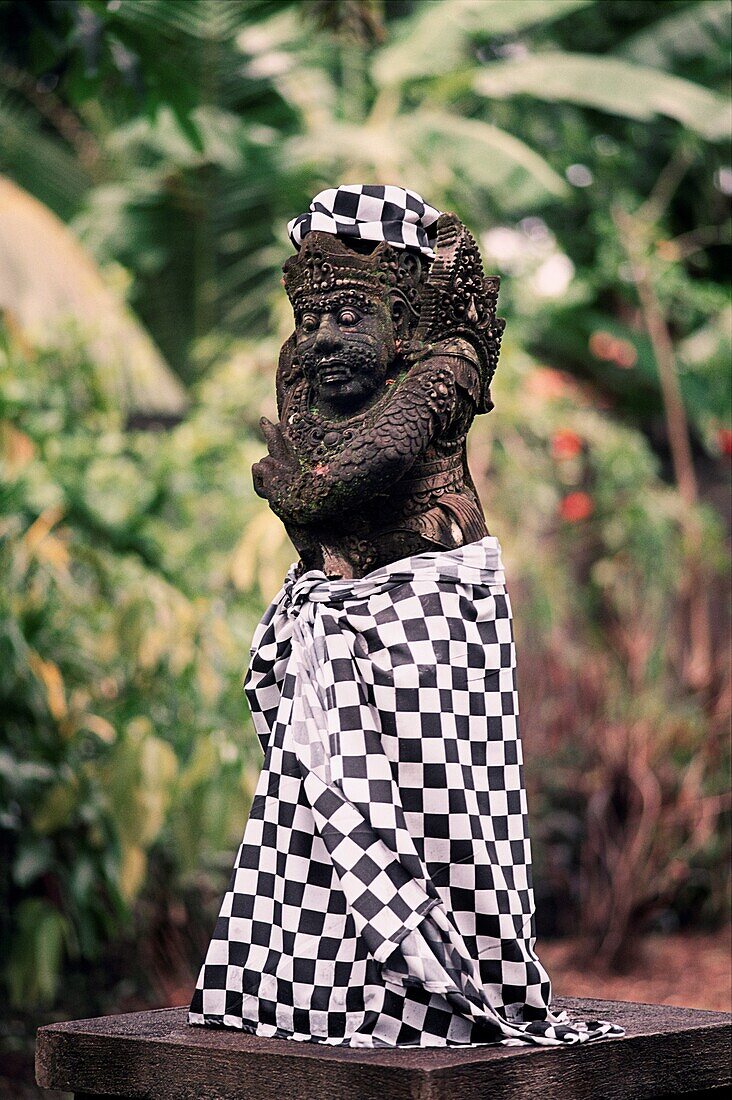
(692, 971)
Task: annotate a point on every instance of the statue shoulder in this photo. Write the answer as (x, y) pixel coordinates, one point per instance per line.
(464, 364)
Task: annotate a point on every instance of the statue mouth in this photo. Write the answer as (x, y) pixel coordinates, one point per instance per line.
(332, 372)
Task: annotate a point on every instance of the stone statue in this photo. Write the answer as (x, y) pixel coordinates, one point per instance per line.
(381, 896)
(391, 358)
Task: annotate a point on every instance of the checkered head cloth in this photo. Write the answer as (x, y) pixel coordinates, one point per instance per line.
(370, 213)
(382, 892)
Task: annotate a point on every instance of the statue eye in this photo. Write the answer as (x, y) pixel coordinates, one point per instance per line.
(309, 322)
(348, 317)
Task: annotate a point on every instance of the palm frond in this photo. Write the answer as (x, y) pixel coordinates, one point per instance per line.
(703, 30)
(501, 165)
(53, 292)
(608, 84)
(38, 160)
(438, 38)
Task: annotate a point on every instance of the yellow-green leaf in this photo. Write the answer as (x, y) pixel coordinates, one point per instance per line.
(608, 84)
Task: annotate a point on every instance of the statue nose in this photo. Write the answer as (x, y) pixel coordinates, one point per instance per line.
(328, 335)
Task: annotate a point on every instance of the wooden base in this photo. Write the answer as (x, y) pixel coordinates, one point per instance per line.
(667, 1052)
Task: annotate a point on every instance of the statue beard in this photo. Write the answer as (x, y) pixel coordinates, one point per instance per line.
(366, 362)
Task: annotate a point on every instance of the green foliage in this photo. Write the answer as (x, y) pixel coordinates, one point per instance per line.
(623, 762)
(696, 32)
(179, 144)
(123, 640)
(609, 84)
(455, 26)
(177, 139)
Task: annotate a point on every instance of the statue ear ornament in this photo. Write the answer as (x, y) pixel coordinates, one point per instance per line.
(458, 300)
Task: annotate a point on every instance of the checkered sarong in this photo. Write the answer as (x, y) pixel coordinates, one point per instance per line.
(370, 212)
(382, 892)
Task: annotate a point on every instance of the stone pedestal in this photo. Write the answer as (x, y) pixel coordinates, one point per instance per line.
(667, 1052)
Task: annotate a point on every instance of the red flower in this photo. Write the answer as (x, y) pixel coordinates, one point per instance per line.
(576, 507)
(625, 355)
(566, 444)
(614, 349)
(601, 344)
(549, 383)
(724, 439)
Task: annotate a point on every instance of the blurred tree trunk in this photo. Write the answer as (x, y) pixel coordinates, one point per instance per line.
(635, 234)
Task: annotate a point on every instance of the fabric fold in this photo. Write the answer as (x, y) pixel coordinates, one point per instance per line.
(382, 893)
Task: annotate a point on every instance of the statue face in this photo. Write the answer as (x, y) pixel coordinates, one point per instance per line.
(345, 348)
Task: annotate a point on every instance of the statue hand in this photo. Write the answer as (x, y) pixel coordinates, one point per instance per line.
(277, 443)
(275, 473)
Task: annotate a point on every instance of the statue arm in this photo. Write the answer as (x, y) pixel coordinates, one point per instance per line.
(421, 405)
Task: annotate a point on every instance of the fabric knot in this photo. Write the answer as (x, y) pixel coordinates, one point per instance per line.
(311, 587)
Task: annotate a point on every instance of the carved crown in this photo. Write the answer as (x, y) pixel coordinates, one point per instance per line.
(326, 264)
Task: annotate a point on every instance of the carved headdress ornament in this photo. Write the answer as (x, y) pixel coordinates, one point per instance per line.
(326, 265)
(366, 242)
(459, 300)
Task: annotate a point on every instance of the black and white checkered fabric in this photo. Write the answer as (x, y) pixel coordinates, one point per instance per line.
(382, 892)
(371, 213)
